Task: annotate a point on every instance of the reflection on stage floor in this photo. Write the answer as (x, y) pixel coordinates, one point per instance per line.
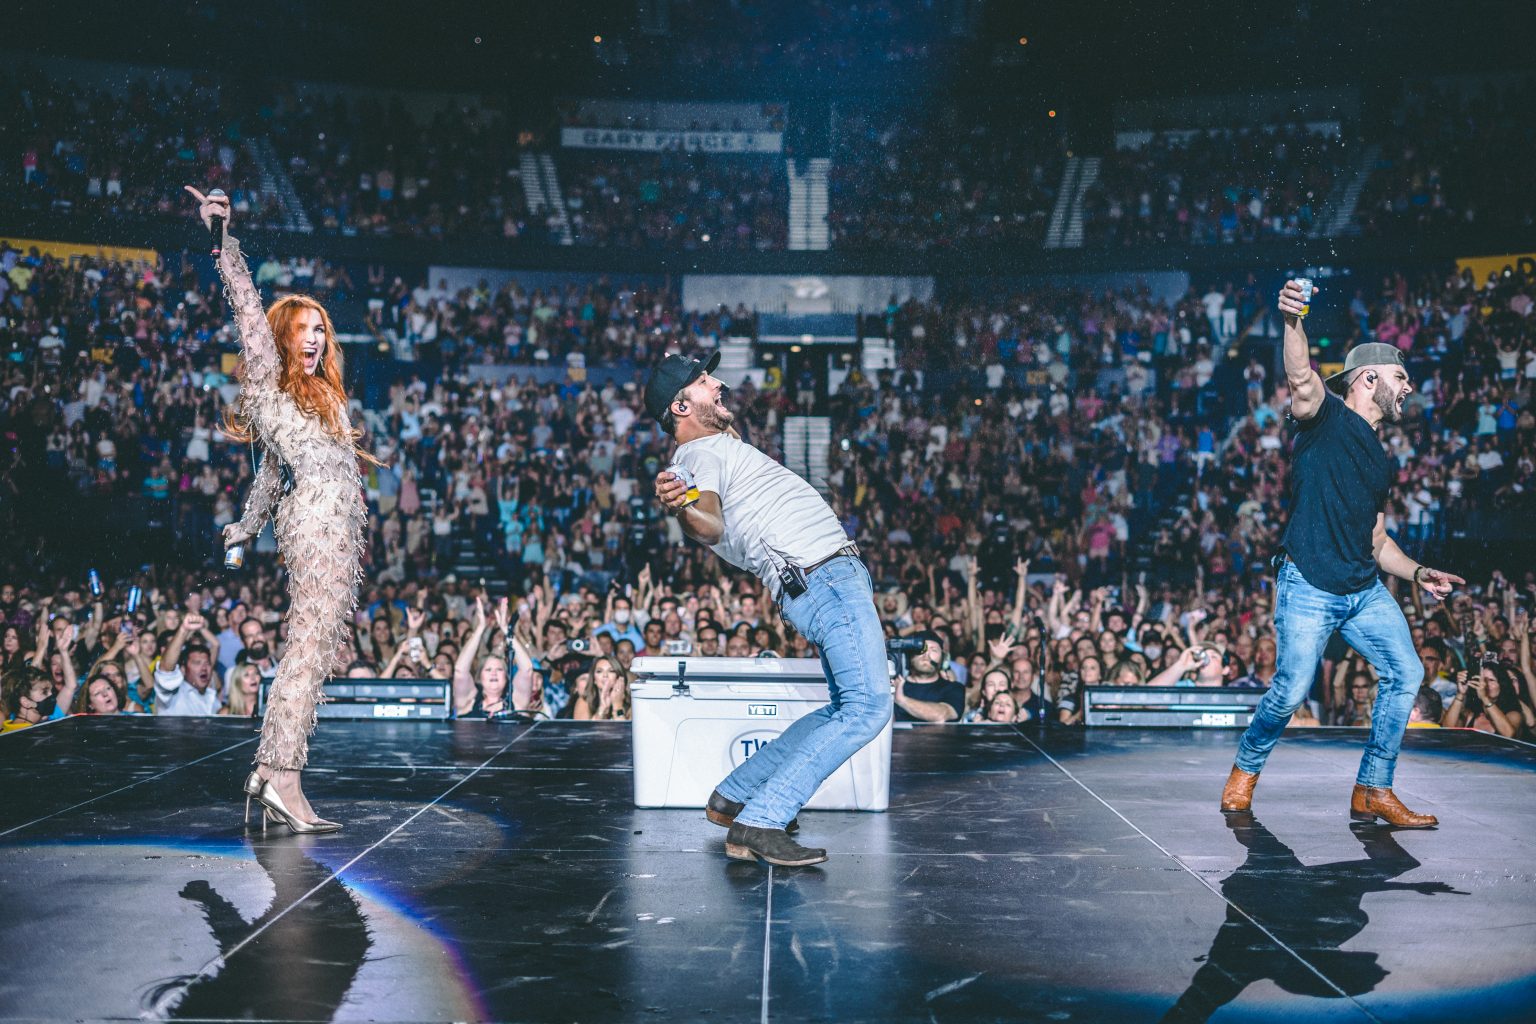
(500, 872)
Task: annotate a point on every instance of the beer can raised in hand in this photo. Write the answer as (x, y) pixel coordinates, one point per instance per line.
(234, 556)
(691, 485)
(1305, 284)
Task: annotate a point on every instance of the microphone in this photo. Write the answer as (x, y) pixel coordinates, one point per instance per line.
(216, 227)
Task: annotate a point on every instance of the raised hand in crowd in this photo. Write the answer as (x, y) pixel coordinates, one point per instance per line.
(44, 638)
(1000, 649)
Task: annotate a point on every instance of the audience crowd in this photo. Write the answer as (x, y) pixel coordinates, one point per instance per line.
(1214, 188)
(87, 151)
(597, 323)
(1127, 538)
(372, 166)
(1434, 168)
(677, 201)
(460, 169)
(939, 181)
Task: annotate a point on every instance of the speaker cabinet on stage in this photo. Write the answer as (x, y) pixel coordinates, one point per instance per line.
(1210, 707)
(382, 698)
(697, 719)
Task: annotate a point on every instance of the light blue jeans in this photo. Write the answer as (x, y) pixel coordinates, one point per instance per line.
(837, 614)
(1373, 624)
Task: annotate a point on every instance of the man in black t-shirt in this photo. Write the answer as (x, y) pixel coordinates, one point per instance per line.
(924, 694)
(1336, 545)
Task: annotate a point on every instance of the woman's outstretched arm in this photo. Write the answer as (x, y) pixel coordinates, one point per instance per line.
(261, 362)
(259, 503)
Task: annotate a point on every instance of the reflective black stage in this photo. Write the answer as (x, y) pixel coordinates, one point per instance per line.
(500, 872)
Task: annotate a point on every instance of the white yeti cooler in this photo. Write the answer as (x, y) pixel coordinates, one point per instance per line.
(697, 719)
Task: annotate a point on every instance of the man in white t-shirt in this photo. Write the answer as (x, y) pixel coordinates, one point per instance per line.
(187, 688)
(1213, 301)
(759, 516)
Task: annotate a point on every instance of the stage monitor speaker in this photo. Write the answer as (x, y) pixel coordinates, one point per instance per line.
(1210, 707)
(382, 698)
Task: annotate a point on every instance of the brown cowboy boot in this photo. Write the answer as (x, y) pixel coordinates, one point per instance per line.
(1238, 794)
(1368, 804)
(723, 812)
(747, 842)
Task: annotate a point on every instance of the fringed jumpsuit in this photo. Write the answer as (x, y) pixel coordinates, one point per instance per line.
(319, 524)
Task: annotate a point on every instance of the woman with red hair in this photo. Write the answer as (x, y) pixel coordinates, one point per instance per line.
(293, 403)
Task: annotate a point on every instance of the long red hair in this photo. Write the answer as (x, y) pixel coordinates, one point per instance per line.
(320, 394)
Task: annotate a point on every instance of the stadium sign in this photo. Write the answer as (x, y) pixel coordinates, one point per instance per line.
(667, 141)
(74, 253)
(1482, 266)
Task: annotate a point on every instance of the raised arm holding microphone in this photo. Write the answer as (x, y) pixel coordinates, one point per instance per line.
(1334, 549)
(293, 403)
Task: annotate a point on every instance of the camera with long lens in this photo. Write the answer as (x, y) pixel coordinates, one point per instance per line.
(902, 648)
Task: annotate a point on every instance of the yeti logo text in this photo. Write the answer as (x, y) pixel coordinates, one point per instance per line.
(763, 710)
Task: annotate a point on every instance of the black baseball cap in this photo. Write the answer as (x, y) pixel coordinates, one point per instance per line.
(670, 376)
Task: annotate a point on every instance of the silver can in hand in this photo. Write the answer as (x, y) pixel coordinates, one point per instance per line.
(686, 478)
(1305, 284)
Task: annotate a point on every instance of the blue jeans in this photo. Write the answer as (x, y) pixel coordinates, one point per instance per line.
(837, 614)
(1373, 624)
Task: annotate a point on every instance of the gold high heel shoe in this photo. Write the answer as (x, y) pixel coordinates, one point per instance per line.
(252, 787)
(274, 810)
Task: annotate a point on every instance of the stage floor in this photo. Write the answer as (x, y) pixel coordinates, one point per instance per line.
(493, 871)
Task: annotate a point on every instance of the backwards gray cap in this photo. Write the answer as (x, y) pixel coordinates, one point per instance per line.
(1374, 353)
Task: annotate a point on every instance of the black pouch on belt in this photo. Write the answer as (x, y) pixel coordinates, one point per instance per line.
(793, 581)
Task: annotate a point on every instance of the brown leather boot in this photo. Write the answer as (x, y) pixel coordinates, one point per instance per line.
(1238, 794)
(1368, 804)
(746, 842)
(723, 812)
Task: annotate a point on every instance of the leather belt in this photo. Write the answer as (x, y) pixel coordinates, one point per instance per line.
(846, 551)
